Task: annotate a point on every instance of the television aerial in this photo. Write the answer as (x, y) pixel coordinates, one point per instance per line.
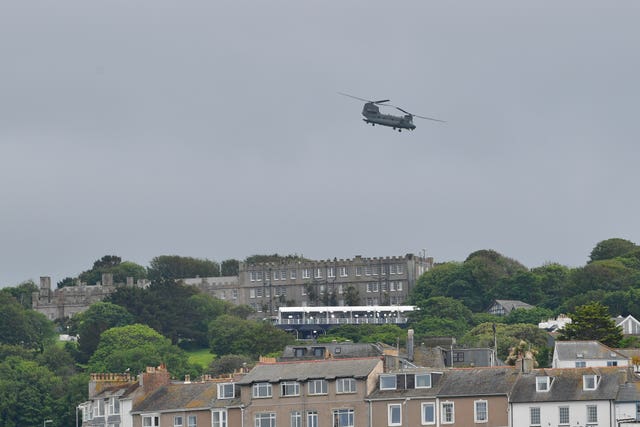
(372, 115)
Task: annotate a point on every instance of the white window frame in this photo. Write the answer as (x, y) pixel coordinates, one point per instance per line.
(306, 273)
(262, 390)
(477, 413)
(98, 408)
(592, 414)
(219, 418)
(337, 415)
(289, 388)
(343, 271)
(312, 387)
(312, 419)
(581, 364)
(153, 418)
(448, 417)
(223, 390)
(427, 378)
(293, 274)
(346, 385)
(192, 421)
(178, 421)
(393, 410)
(388, 377)
(424, 421)
(587, 379)
(358, 271)
(331, 272)
(296, 419)
(534, 413)
(268, 417)
(317, 273)
(543, 384)
(114, 406)
(566, 415)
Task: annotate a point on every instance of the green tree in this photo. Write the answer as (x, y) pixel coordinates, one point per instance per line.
(554, 280)
(232, 335)
(228, 364)
(592, 322)
(507, 337)
(29, 393)
(19, 326)
(66, 282)
(259, 259)
(533, 315)
(114, 265)
(22, 293)
(230, 267)
(172, 267)
(611, 248)
(135, 347)
(94, 321)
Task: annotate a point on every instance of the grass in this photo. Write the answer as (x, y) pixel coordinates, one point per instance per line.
(201, 357)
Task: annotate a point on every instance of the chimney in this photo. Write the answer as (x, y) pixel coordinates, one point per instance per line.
(187, 379)
(107, 279)
(410, 345)
(45, 282)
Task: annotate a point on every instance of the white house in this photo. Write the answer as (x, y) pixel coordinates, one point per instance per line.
(580, 354)
(629, 325)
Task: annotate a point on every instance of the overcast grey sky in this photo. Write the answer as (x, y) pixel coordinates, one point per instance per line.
(213, 129)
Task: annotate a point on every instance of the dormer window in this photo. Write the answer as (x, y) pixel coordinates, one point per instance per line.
(226, 391)
(423, 381)
(589, 382)
(543, 383)
(387, 382)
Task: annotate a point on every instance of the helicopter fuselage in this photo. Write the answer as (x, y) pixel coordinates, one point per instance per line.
(372, 115)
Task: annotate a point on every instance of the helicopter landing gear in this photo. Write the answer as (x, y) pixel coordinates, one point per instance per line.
(399, 130)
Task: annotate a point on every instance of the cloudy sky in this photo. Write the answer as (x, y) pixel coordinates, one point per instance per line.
(213, 129)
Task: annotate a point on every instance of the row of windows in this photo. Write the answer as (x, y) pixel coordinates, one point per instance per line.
(314, 387)
(340, 418)
(390, 381)
(563, 415)
(391, 286)
(330, 272)
(97, 408)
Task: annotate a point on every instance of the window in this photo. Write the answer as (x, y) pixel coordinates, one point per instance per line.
(192, 421)
(283, 274)
(262, 390)
(276, 275)
(296, 419)
(258, 292)
(219, 418)
(592, 414)
(372, 287)
(226, 391)
(387, 382)
(428, 413)
(358, 271)
(343, 418)
(394, 414)
(292, 274)
(480, 411)
(367, 270)
(306, 273)
(150, 421)
(317, 387)
(423, 380)
(563, 415)
(317, 273)
(266, 419)
(447, 413)
(343, 272)
(534, 416)
(331, 272)
(290, 388)
(177, 421)
(581, 364)
(312, 419)
(458, 356)
(542, 383)
(299, 352)
(318, 351)
(98, 408)
(392, 285)
(589, 382)
(399, 269)
(612, 363)
(345, 385)
(114, 406)
(398, 285)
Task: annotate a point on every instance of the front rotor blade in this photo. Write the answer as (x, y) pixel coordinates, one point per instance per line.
(406, 112)
(354, 97)
(430, 118)
(381, 101)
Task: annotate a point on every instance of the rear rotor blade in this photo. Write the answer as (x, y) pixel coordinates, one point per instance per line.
(381, 101)
(422, 117)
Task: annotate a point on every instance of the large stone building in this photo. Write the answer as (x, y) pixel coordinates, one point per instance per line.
(66, 302)
(337, 282)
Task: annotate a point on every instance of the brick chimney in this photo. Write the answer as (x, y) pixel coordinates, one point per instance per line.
(154, 377)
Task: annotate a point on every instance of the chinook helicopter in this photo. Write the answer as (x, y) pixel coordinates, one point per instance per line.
(372, 115)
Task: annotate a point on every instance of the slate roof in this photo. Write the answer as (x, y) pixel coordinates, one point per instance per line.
(510, 304)
(432, 392)
(310, 369)
(478, 382)
(568, 350)
(629, 392)
(337, 350)
(179, 396)
(567, 385)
